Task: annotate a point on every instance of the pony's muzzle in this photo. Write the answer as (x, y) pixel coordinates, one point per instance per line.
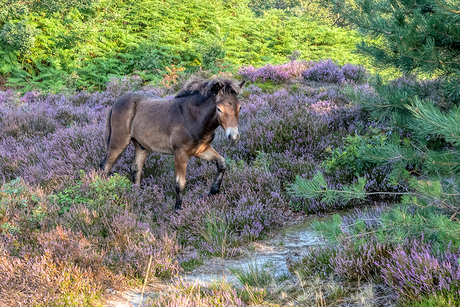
(233, 135)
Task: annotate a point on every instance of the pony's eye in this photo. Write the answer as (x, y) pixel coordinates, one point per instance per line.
(239, 109)
(219, 110)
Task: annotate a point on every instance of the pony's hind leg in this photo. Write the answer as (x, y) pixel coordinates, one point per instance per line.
(210, 154)
(116, 147)
(140, 155)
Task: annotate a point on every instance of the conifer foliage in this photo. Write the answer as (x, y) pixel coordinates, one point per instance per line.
(413, 35)
(419, 118)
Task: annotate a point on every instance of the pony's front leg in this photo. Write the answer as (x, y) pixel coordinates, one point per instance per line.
(210, 154)
(180, 163)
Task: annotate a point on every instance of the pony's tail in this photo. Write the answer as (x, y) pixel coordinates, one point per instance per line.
(108, 130)
(108, 134)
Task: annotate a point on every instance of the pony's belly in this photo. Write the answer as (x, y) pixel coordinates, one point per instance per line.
(158, 145)
(161, 150)
(153, 139)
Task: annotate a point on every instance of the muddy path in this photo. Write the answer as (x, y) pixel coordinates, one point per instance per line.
(270, 253)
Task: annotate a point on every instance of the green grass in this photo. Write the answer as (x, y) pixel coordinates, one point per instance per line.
(191, 264)
(252, 275)
(450, 299)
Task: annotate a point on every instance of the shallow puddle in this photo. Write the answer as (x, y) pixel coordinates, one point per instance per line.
(270, 255)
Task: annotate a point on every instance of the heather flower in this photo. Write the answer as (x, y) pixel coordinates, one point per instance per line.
(273, 73)
(354, 74)
(325, 71)
(417, 271)
(356, 261)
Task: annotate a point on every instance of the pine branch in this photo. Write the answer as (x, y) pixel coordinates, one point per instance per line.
(317, 188)
(433, 121)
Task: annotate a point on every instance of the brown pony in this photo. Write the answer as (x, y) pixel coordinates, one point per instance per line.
(183, 126)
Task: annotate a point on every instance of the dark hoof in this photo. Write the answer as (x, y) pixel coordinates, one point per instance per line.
(213, 192)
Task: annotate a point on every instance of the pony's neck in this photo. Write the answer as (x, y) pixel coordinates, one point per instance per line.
(202, 116)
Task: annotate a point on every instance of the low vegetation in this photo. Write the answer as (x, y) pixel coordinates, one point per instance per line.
(54, 45)
(316, 137)
(56, 210)
(58, 215)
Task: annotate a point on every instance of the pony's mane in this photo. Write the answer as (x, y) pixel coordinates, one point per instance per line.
(204, 86)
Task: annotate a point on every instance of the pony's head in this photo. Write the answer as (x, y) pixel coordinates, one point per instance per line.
(226, 100)
(228, 107)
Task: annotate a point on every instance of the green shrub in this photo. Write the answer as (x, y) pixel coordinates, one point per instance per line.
(94, 191)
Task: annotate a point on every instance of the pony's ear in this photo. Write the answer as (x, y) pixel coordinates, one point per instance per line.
(216, 87)
(242, 83)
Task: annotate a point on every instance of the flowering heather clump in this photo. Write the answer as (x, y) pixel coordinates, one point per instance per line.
(416, 271)
(38, 281)
(354, 73)
(286, 166)
(288, 127)
(358, 261)
(325, 71)
(274, 73)
(9, 97)
(323, 107)
(248, 206)
(66, 223)
(132, 259)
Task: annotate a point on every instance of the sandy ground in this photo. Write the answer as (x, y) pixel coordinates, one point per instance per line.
(270, 253)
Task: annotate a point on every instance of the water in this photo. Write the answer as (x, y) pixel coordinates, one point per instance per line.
(270, 254)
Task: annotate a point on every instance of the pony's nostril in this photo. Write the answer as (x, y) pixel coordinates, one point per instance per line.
(234, 137)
